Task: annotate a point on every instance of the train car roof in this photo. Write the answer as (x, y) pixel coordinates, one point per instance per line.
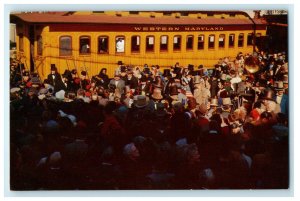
(69, 17)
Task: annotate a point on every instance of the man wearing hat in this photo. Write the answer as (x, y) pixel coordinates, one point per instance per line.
(64, 84)
(131, 80)
(144, 86)
(156, 98)
(212, 107)
(54, 77)
(202, 121)
(269, 100)
(118, 82)
(281, 97)
(226, 107)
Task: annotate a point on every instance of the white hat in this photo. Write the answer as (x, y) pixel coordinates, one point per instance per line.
(60, 95)
(15, 89)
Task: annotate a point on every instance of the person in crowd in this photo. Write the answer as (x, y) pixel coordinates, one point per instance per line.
(144, 129)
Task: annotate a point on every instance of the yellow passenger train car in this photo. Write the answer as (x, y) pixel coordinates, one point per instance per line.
(96, 39)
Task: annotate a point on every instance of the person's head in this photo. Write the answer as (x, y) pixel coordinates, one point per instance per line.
(117, 77)
(131, 152)
(103, 71)
(26, 76)
(265, 117)
(220, 85)
(94, 96)
(83, 75)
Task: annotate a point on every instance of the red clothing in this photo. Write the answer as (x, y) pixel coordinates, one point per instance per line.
(109, 126)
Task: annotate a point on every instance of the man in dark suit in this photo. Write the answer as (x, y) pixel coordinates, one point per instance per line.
(54, 77)
(64, 84)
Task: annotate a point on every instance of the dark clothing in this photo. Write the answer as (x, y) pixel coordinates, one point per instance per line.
(214, 88)
(54, 79)
(133, 82)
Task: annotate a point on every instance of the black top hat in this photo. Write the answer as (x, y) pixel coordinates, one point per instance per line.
(191, 67)
(123, 69)
(146, 71)
(177, 70)
(120, 63)
(167, 73)
(268, 95)
(53, 67)
(200, 66)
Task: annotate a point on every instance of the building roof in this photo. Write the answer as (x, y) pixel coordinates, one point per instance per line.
(64, 17)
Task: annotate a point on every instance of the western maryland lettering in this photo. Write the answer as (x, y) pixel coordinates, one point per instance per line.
(178, 28)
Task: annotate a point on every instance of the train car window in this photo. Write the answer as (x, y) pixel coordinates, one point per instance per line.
(177, 43)
(211, 41)
(241, 40)
(149, 43)
(65, 46)
(39, 45)
(163, 43)
(85, 45)
(102, 44)
(222, 40)
(249, 39)
(120, 44)
(21, 42)
(189, 42)
(231, 40)
(135, 44)
(200, 42)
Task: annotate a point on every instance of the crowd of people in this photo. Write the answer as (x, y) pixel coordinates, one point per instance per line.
(182, 127)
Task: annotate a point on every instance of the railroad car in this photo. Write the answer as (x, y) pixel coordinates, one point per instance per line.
(96, 39)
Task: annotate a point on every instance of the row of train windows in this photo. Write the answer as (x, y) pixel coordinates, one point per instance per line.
(65, 43)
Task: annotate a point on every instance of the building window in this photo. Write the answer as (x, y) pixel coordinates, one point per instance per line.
(189, 42)
(200, 42)
(39, 45)
(102, 44)
(21, 42)
(65, 46)
(150, 44)
(135, 44)
(241, 40)
(85, 45)
(120, 44)
(177, 43)
(222, 41)
(231, 40)
(163, 43)
(250, 39)
(211, 41)
(134, 12)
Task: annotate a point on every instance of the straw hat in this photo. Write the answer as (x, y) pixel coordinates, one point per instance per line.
(226, 101)
(278, 85)
(214, 102)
